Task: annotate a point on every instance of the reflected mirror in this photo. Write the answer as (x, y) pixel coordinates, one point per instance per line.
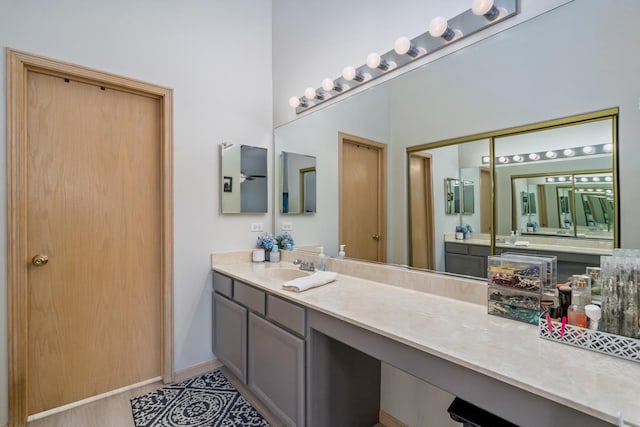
(453, 196)
(297, 183)
(243, 179)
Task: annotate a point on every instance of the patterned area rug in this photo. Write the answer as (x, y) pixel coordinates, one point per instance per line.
(205, 401)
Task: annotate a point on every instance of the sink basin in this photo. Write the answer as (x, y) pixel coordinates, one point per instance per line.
(285, 274)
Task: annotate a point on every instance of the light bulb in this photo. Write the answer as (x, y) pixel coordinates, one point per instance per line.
(485, 159)
(595, 179)
(517, 158)
(562, 179)
(608, 178)
(551, 179)
(481, 7)
(329, 84)
(438, 26)
(588, 149)
(402, 45)
(503, 159)
(534, 156)
(294, 102)
(550, 154)
(583, 179)
(607, 148)
(349, 73)
(569, 152)
(310, 93)
(373, 60)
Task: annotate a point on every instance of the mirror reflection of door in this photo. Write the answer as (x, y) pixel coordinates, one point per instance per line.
(308, 189)
(422, 254)
(363, 214)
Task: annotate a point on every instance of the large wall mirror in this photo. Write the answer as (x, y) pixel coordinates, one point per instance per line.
(439, 123)
(243, 179)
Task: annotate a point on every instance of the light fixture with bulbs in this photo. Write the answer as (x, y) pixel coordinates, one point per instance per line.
(442, 32)
(589, 150)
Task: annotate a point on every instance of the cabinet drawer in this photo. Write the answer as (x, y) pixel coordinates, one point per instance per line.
(249, 296)
(284, 313)
(457, 248)
(222, 284)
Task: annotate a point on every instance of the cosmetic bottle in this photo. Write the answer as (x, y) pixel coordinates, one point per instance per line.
(512, 239)
(322, 265)
(342, 254)
(275, 254)
(576, 314)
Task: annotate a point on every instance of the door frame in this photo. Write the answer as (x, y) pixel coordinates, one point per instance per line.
(429, 221)
(18, 65)
(382, 189)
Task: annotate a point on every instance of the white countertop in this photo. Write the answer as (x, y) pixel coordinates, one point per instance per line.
(541, 243)
(463, 333)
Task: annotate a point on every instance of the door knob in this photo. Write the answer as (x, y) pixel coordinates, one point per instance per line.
(376, 237)
(39, 260)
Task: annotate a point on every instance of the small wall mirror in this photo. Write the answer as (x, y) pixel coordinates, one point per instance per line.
(298, 183)
(452, 196)
(243, 179)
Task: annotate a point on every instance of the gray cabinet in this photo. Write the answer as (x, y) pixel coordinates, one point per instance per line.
(276, 369)
(467, 259)
(230, 335)
(260, 338)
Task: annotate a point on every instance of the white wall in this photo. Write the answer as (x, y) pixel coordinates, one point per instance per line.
(219, 95)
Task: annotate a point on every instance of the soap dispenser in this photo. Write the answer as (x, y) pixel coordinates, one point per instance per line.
(512, 239)
(274, 256)
(322, 265)
(341, 254)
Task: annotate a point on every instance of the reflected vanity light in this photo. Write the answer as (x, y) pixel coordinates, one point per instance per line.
(589, 150)
(486, 160)
(439, 27)
(562, 179)
(595, 179)
(608, 178)
(375, 61)
(503, 159)
(607, 148)
(330, 85)
(551, 179)
(406, 50)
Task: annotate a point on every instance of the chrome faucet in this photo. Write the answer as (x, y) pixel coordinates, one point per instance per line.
(305, 266)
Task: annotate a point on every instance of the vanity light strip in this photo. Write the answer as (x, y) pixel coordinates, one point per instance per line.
(462, 25)
(563, 153)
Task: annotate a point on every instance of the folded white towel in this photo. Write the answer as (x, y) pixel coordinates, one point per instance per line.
(521, 243)
(313, 280)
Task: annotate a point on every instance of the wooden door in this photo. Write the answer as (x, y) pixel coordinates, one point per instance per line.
(94, 233)
(421, 211)
(363, 198)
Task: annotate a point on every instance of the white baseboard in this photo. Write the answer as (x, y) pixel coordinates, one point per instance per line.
(199, 369)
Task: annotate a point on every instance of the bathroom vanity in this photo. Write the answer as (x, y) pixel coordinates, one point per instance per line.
(469, 257)
(314, 357)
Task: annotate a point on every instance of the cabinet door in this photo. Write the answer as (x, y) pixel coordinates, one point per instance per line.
(468, 265)
(230, 335)
(276, 370)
